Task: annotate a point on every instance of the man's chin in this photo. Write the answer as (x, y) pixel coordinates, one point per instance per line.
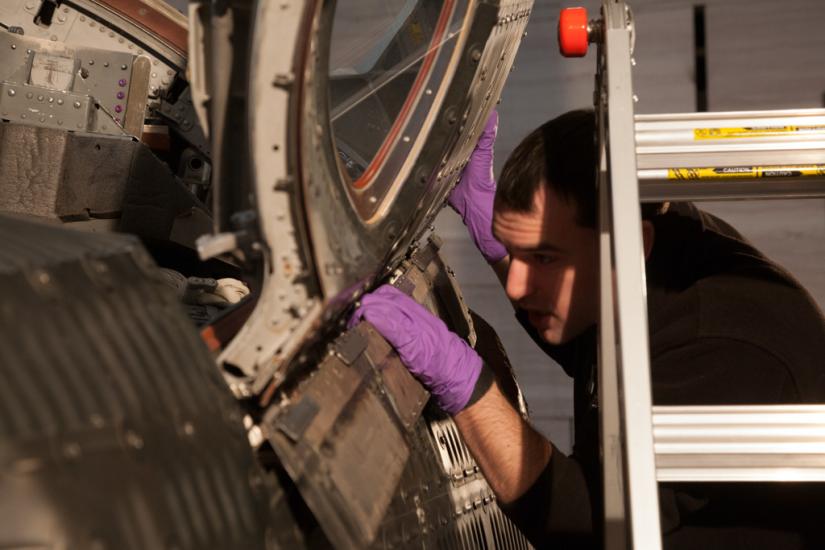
(553, 337)
(548, 326)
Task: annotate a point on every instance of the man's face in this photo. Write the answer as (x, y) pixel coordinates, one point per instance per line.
(553, 266)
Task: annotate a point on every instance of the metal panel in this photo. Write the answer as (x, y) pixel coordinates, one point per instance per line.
(376, 467)
(116, 430)
(136, 42)
(289, 304)
(350, 455)
(299, 189)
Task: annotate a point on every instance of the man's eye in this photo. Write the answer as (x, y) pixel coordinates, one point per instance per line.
(544, 259)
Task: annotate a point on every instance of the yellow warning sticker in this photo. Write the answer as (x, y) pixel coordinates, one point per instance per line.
(753, 131)
(746, 172)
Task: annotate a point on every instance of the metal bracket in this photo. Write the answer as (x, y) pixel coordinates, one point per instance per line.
(349, 347)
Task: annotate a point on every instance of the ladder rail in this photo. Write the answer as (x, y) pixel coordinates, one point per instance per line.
(627, 270)
(615, 531)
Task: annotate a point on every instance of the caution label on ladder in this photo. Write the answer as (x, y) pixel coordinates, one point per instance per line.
(754, 131)
(746, 172)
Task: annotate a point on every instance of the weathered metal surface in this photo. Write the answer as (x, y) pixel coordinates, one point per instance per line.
(116, 430)
(349, 455)
(376, 464)
(328, 253)
(76, 177)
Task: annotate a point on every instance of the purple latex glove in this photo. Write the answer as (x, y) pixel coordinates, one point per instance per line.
(440, 359)
(473, 197)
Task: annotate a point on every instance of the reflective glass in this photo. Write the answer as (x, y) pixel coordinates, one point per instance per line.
(383, 53)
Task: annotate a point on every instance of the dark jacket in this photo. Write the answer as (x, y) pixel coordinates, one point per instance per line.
(727, 326)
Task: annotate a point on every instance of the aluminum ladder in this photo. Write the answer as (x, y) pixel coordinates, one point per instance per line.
(730, 155)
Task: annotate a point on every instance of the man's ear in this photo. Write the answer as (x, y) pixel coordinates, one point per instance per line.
(648, 236)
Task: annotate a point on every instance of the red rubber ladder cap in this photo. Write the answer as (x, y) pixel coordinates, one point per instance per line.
(573, 32)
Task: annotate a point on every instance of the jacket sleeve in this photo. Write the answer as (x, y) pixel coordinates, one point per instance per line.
(556, 511)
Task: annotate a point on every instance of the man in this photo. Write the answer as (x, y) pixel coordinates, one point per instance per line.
(727, 326)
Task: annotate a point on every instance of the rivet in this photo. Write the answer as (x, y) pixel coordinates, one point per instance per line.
(105, 63)
(170, 72)
(12, 92)
(14, 46)
(91, 23)
(53, 38)
(134, 440)
(122, 82)
(42, 118)
(428, 91)
(123, 67)
(121, 95)
(118, 108)
(60, 123)
(77, 105)
(406, 139)
(51, 100)
(29, 95)
(40, 98)
(82, 18)
(59, 101)
(154, 75)
(23, 115)
(71, 450)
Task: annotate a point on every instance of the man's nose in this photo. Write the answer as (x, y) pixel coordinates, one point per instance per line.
(518, 280)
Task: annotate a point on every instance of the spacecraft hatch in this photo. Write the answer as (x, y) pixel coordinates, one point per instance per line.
(189, 208)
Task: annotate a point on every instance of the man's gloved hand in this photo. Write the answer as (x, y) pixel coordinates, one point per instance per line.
(440, 359)
(473, 197)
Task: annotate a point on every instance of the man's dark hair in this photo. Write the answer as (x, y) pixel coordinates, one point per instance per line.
(561, 153)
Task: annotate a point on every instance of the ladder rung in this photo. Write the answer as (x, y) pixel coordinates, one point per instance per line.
(774, 188)
(780, 117)
(740, 443)
(730, 154)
